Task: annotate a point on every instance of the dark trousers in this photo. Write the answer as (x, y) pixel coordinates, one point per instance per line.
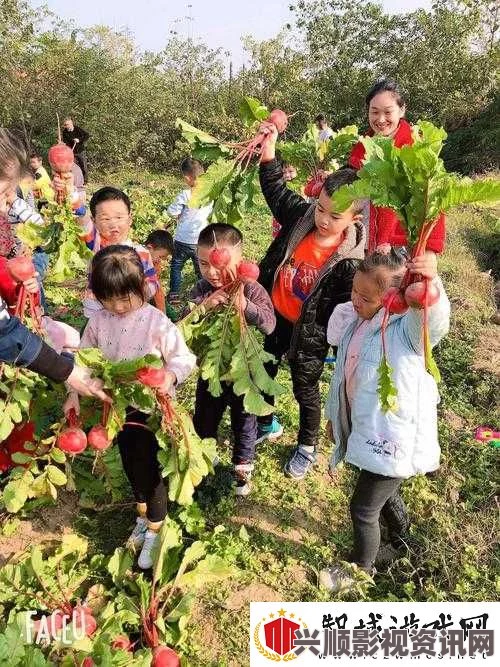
(208, 413)
(375, 496)
(305, 374)
(81, 161)
(182, 253)
(138, 448)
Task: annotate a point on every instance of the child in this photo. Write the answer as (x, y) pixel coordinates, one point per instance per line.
(259, 312)
(161, 246)
(307, 270)
(128, 327)
(42, 190)
(110, 225)
(387, 447)
(190, 222)
(386, 109)
(325, 131)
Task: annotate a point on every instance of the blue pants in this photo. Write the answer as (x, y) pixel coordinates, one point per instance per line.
(182, 253)
(208, 412)
(40, 261)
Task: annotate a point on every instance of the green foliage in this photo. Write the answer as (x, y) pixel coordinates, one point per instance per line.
(60, 236)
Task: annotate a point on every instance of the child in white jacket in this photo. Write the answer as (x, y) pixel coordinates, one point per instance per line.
(390, 446)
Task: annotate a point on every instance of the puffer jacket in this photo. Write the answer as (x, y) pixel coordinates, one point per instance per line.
(334, 282)
(395, 444)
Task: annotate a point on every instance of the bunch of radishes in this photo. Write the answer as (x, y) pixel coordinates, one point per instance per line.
(254, 146)
(246, 271)
(21, 269)
(420, 294)
(61, 160)
(73, 440)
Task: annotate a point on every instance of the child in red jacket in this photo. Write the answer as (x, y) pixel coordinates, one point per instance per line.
(386, 109)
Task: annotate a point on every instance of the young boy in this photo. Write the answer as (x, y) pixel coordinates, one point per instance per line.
(42, 189)
(307, 270)
(161, 246)
(110, 224)
(190, 222)
(259, 312)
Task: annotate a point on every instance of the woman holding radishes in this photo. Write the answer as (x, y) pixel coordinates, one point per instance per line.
(388, 445)
(386, 109)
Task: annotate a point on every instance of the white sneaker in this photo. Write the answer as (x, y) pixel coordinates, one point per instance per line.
(242, 475)
(145, 557)
(136, 539)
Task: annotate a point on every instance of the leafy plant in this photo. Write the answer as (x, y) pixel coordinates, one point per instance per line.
(413, 181)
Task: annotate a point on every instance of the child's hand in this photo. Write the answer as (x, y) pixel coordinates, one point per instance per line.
(169, 384)
(63, 182)
(425, 265)
(216, 299)
(31, 285)
(71, 403)
(329, 430)
(269, 144)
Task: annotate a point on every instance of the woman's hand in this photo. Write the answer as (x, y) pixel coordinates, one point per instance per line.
(425, 265)
(269, 144)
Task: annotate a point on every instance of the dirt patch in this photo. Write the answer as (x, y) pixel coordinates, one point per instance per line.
(252, 515)
(47, 524)
(251, 593)
(487, 352)
(453, 420)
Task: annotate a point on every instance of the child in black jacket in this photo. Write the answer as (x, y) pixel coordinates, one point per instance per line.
(307, 270)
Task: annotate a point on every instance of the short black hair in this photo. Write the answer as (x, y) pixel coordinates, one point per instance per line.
(343, 176)
(35, 153)
(160, 238)
(385, 86)
(191, 166)
(117, 271)
(108, 193)
(393, 262)
(320, 118)
(219, 232)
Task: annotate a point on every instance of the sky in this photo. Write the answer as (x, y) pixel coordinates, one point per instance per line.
(215, 22)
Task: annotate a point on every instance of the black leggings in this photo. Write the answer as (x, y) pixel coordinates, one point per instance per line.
(375, 495)
(138, 449)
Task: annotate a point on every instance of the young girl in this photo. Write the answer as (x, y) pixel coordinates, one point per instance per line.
(127, 328)
(386, 109)
(387, 447)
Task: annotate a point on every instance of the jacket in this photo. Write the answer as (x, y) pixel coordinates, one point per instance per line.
(334, 282)
(395, 444)
(384, 226)
(69, 136)
(21, 347)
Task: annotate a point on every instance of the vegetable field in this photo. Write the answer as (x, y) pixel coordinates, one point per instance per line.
(63, 548)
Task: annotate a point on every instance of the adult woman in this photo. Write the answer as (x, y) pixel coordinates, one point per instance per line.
(386, 109)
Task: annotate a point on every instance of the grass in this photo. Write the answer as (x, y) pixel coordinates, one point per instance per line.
(286, 531)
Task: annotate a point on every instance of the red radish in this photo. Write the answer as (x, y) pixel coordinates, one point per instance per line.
(421, 293)
(248, 271)
(21, 268)
(98, 439)
(72, 440)
(394, 301)
(279, 119)
(121, 642)
(219, 258)
(88, 662)
(85, 620)
(164, 656)
(60, 158)
(151, 377)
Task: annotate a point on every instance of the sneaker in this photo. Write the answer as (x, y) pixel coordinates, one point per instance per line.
(299, 463)
(136, 539)
(338, 579)
(146, 556)
(242, 475)
(271, 431)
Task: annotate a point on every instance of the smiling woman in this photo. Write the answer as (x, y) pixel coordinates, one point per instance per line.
(386, 108)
